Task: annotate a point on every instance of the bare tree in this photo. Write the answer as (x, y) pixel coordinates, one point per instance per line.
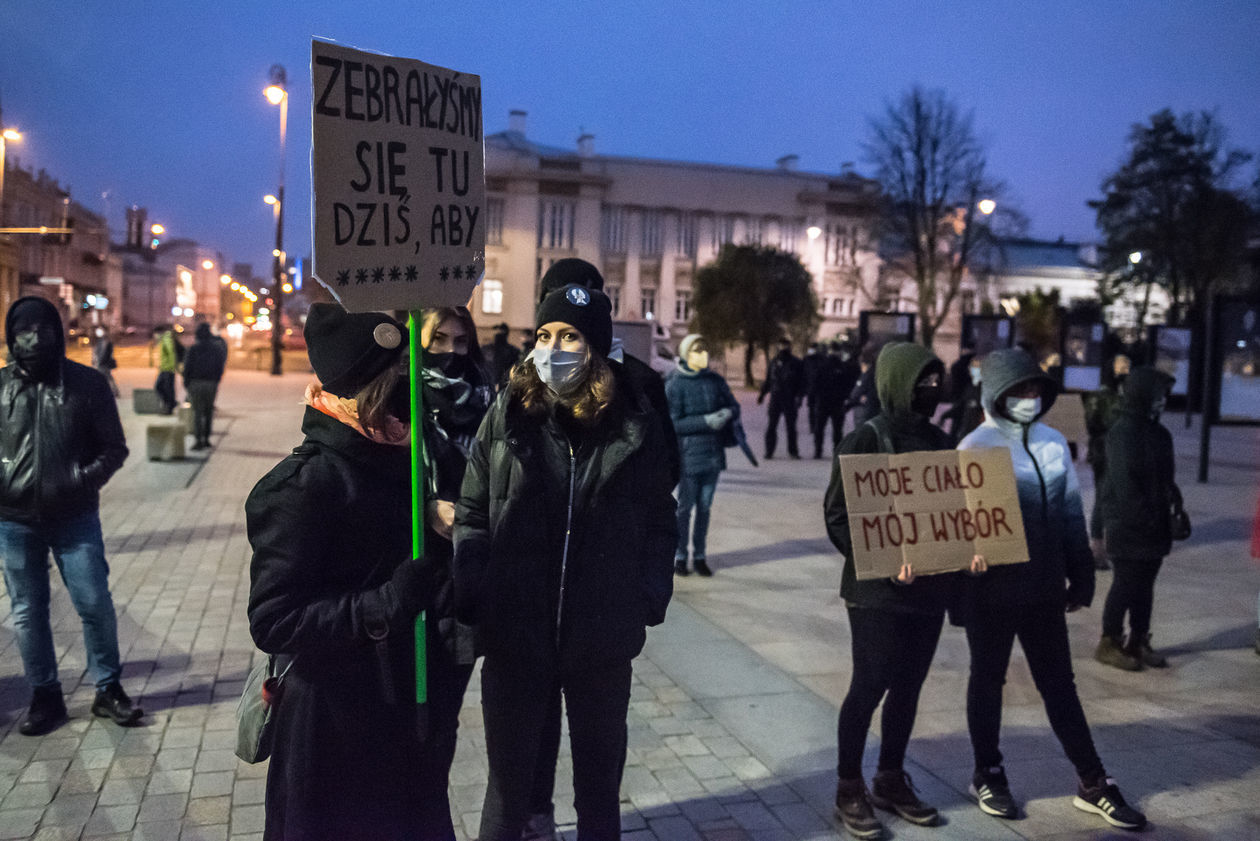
(931, 169)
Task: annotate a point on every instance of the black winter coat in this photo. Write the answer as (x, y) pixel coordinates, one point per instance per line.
(785, 380)
(328, 526)
(1140, 487)
(564, 542)
(60, 442)
(204, 361)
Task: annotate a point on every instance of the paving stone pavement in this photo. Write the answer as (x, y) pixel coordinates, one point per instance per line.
(732, 719)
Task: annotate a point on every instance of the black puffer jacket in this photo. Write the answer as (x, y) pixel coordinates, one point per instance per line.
(1139, 489)
(60, 440)
(537, 593)
(900, 366)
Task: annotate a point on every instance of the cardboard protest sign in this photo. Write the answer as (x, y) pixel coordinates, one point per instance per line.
(398, 164)
(933, 510)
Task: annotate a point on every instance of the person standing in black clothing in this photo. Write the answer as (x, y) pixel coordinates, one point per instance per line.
(1101, 409)
(203, 369)
(103, 357)
(503, 355)
(966, 413)
(836, 377)
(564, 540)
(864, 398)
(785, 384)
(814, 358)
(1138, 496)
(894, 623)
(333, 585)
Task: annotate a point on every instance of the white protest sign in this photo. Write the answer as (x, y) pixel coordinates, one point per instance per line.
(398, 166)
(933, 510)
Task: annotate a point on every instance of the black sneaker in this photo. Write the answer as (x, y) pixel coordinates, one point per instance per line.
(680, 567)
(853, 808)
(113, 702)
(46, 714)
(1105, 800)
(702, 568)
(992, 794)
(893, 791)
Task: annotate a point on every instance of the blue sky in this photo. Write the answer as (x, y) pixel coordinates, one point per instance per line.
(160, 104)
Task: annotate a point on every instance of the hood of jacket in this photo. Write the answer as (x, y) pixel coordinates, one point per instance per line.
(1004, 369)
(1143, 388)
(899, 366)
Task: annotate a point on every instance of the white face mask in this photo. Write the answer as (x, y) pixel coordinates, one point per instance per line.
(559, 370)
(1023, 409)
(975, 375)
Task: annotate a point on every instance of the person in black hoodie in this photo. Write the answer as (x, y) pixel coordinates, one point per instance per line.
(60, 442)
(1138, 495)
(785, 385)
(334, 588)
(894, 623)
(203, 368)
(564, 540)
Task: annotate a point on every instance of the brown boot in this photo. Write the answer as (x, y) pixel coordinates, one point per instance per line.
(1111, 652)
(1140, 649)
(853, 808)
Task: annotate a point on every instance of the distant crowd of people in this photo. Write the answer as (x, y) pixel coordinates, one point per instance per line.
(565, 486)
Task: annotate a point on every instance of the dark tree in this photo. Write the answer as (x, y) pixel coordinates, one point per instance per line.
(1171, 203)
(931, 169)
(754, 295)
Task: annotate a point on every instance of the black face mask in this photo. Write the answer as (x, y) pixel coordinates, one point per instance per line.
(925, 400)
(36, 351)
(452, 365)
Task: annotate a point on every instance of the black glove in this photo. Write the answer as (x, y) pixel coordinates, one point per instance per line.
(416, 583)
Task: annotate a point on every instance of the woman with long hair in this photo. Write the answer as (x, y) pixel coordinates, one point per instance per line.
(333, 588)
(564, 537)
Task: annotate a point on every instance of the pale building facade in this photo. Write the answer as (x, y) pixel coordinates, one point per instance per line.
(649, 225)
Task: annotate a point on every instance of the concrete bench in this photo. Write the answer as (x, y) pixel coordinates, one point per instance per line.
(145, 401)
(164, 441)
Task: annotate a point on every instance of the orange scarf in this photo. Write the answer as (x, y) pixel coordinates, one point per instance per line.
(396, 433)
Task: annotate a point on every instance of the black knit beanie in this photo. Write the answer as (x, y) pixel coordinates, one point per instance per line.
(349, 349)
(570, 270)
(589, 310)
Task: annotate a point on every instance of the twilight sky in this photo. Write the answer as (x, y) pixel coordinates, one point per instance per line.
(160, 104)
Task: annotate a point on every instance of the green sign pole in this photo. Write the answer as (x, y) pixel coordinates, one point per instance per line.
(417, 492)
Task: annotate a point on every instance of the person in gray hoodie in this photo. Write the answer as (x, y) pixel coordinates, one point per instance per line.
(1028, 600)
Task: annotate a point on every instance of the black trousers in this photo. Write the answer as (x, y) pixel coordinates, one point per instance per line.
(165, 388)
(892, 653)
(1043, 634)
(833, 415)
(201, 395)
(1132, 592)
(787, 410)
(516, 700)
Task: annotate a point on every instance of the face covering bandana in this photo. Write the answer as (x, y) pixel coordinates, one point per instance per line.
(452, 365)
(558, 369)
(1023, 410)
(925, 400)
(35, 351)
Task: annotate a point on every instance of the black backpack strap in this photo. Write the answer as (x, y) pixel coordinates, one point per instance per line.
(883, 431)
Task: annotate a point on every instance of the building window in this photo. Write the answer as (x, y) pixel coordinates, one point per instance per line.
(647, 303)
(491, 296)
(787, 236)
(686, 235)
(723, 231)
(494, 221)
(833, 244)
(682, 305)
(613, 224)
(613, 291)
(555, 224)
(753, 232)
(652, 236)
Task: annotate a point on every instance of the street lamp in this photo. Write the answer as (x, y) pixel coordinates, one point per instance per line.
(277, 94)
(987, 206)
(156, 230)
(5, 136)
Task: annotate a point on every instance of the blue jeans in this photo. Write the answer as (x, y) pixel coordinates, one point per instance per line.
(694, 492)
(79, 550)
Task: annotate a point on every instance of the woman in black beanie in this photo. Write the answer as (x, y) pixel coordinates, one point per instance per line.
(564, 540)
(334, 588)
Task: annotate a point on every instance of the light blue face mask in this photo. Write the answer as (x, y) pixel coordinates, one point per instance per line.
(559, 370)
(1023, 409)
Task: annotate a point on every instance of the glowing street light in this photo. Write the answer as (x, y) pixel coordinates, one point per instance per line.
(207, 264)
(6, 135)
(987, 206)
(1135, 257)
(813, 232)
(277, 93)
(270, 199)
(225, 279)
